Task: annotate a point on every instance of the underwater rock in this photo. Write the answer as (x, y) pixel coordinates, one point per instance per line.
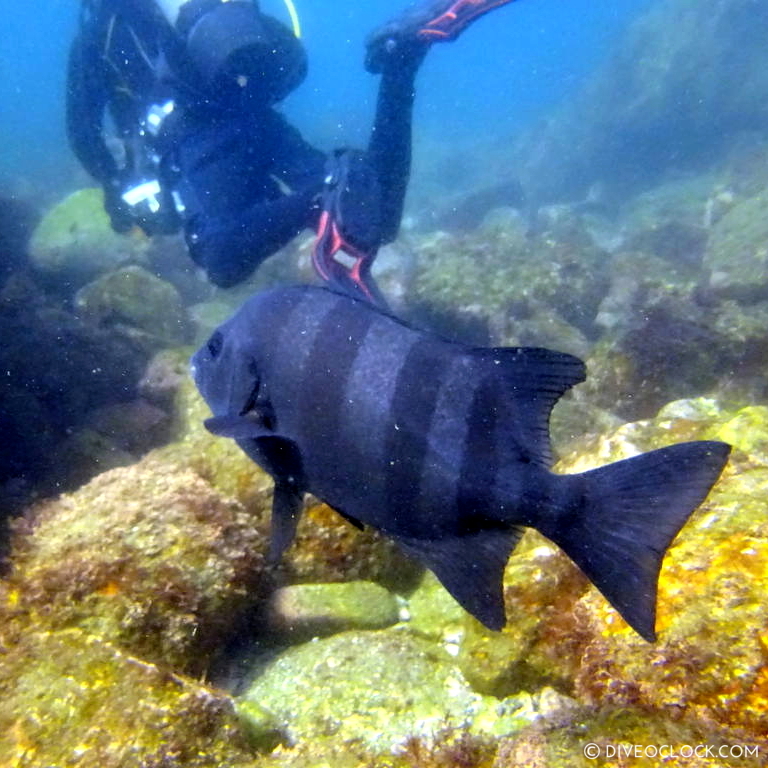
(133, 297)
(667, 337)
(82, 455)
(112, 436)
(75, 242)
(163, 377)
(710, 665)
(377, 688)
(684, 200)
(541, 643)
(501, 277)
(71, 698)
(738, 254)
(17, 220)
(683, 245)
(433, 613)
(465, 210)
(57, 370)
(135, 426)
(143, 560)
(148, 557)
(302, 611)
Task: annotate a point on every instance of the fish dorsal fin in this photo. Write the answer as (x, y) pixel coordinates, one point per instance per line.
(471, 568)
(523, 385)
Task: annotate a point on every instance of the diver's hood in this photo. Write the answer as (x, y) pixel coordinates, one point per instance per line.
(243, 56)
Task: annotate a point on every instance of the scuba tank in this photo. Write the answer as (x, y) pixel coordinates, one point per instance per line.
(241, 57)
(216, 54)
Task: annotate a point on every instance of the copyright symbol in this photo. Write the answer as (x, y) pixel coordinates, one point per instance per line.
(591, 751)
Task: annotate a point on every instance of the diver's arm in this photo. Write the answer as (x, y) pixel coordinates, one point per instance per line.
(230, 249)
(300, 163)
(87, 97)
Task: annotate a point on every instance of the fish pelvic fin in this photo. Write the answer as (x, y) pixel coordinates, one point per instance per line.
(617, 521)
(471, 568)
(286, 511)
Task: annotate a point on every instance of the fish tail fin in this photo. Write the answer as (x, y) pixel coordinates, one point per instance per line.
(617, 521)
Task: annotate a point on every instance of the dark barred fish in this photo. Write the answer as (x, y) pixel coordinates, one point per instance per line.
(443, 447)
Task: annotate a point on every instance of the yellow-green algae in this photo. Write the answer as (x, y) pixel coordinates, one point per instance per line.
(705, 681)
(314, 610)
(504, 271)
(149, 557)
(73, 699)
(380, 686)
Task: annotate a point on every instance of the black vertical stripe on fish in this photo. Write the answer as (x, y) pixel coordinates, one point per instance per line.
(334, 349)
(291, 334)
(413, 405)
(476, 497)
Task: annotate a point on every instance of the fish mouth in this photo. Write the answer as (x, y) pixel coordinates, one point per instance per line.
(251, 403)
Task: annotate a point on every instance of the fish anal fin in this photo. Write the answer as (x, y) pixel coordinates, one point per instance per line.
(471, 568)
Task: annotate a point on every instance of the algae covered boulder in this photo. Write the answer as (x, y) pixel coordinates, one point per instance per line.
(70, 698)
(738, 254)
(148, 557)
(134, 297)
(376, 688)
(74, 241)
(152, 565)
(515, 287)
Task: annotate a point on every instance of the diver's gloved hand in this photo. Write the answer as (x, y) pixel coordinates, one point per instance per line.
(131, 201)
(120, 214)
(349, 230)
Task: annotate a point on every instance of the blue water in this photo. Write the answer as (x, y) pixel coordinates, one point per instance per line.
(510, 68)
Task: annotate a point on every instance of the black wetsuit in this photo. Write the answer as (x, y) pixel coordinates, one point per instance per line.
(247, 179)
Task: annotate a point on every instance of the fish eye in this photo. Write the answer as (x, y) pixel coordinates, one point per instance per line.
(214, 345)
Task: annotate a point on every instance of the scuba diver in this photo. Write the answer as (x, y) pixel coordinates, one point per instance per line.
(191, 88)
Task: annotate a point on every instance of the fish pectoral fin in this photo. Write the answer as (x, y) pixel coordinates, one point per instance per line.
(240, 426)
(471, 568)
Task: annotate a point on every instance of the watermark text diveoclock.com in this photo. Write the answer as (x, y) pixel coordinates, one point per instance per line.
(723, 751)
